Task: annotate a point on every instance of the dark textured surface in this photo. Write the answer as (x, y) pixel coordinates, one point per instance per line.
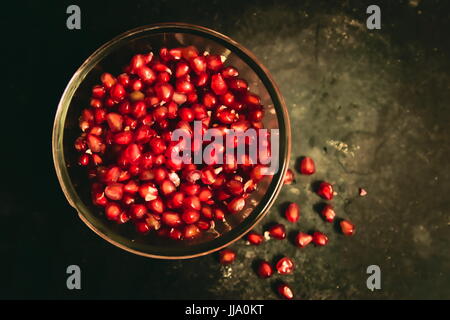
(371, 107)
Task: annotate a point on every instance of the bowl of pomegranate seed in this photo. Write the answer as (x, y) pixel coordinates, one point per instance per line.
(171, 141)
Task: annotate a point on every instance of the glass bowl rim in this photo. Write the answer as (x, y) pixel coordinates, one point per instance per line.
(173, 27)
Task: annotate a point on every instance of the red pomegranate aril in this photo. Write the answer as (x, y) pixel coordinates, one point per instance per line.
(137, 61)
(124, 80)
(148, 191)
(256, 115)
(181, 69)
(175, 200)
(285, 266)
(175, 234)
(184, 86)
(171, 219)
(139, 109)
(99, 116)
(117, 92)
(107, 79)
(114, 191)
(190, 216)
(96, 103)
(190, 189)
(163, 77)
(199, 112)
(153, 221)
(186, 114)
(98, 91)
(347, 228)
(131, 187)
(251, 99)
(84, 159)
(209, 100)
(192, 202)
(201, 79)
(238, 85)
(236, 205)
(325, 190)
(179, 98)
(167, 187)
(265, 270)
(136, 85)
(112, 174)
(227, 99)
(160, 174)
(207, 212)
(142, 227)
(328, 213)
(230, 72)
(218, 84)
(204, 194)
(289, 178)
(95, 143)
(176, 53)
(198, 64)
(292, 213)
(204, 225)
(208, 176)
(80, 144)
(146, 74)
(307, 166)
(227, 256)
(123, 218)
(191, 231)
(319, 238)
(362, 192)
(138, 211)
(277, 231)
(157, 145)
(255, 238)
(164, 91)
(219, 214)
(235, 187)
(115, 121)
(156, 205)
(160, 113)
(303, 239)
(285, 291)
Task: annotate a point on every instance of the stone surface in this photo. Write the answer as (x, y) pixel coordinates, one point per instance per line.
(371, 107)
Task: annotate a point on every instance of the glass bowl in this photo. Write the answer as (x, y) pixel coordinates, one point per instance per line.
(111, 57)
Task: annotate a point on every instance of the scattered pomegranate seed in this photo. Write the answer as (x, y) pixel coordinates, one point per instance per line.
(227, 256)
(325, 190)
(255, 238)
(290, 177)
(362, 192)
(265, 270)
(285, 291)
(319, 238)
(307, 166)
(303, 239)
(285, 266)
(292, 213)
(277, 231)
(328, 213)
(347, 227)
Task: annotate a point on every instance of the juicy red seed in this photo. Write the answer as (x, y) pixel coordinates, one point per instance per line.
(98, 91)
(208, 176)
(292, 213)
(190, 216)
(114, 191)
(115, 121)
(112, 174)
(186, 114)
(328, 213)
(285, 266)
(181, 69)
(84, 159)
(142, 227)
(146, 74)
(285, 291)
(325, 190)
(289, 178)
(191, 231)
(209, 100)
(319, 238)
(108, 80)
(255, 238)
(198, 64)
(219, 214)
(167, 187)
(131, 187)
(138, 211)
(96, 103)
(113, 211)
(218, 84)
(153, 221)
(265, 270)
(157, 145)
(277, 231)
(175, 234)
(164, 91)
(238, 85)
(303, 239)
(230, 72)
(117, 92)
(347, 227)
(227, 256)
(307, 166)
(236, 205)
(193, 175)
(203, 225)
(190, 189)
(235, 187)
(176, 200)
(171, 219)
(156, 205)
(214, 62)
(148, 191)
(362, 192)
(192, 202)
(204, 194)
(137, 61)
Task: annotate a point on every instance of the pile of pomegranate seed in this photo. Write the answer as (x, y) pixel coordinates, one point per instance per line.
(126, 142)
(285, 265)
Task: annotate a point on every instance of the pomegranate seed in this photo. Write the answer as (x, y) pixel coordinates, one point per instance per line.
(198, 64)
(164, 91)
(153, 221)
(192, 202)
(230, 72)
(186, 114)
(218, 85)
(289, 177)
(325, 190)
(156, 205)
(191, 231)
(292, 213)
(137, 61)
(204, 225)
(176, 200)
(255, 238)
(285, 266)
(307, 166)
(131, 187)
(171, 219)
(209, 100)
(112, 174)
(277, 231)
(108, 80)
(148, 191)
(303, 239)
(236, 205)
(146, 74)
(238, 85)
(190, 216)
(142, 227)
(189, 52)
(84, 159)
(138, 211)
(285, 291)
(219, 214)
(328, 213)
(235, 187)
(114, 191)
(347, 227)
(204, 194)
(181, 69)
(265, 270)
(95, 143)
(175, 234)
(227, 256)
(98, 91)
(214, 62)
(190, 189)
(112, 211)
(362, 192)
(157, 145)
(167, 187)
(117, 92)
(319, 238)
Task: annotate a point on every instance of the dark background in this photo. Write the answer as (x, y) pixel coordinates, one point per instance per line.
(371, 107)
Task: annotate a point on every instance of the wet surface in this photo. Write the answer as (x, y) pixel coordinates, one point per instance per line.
(371, 107)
